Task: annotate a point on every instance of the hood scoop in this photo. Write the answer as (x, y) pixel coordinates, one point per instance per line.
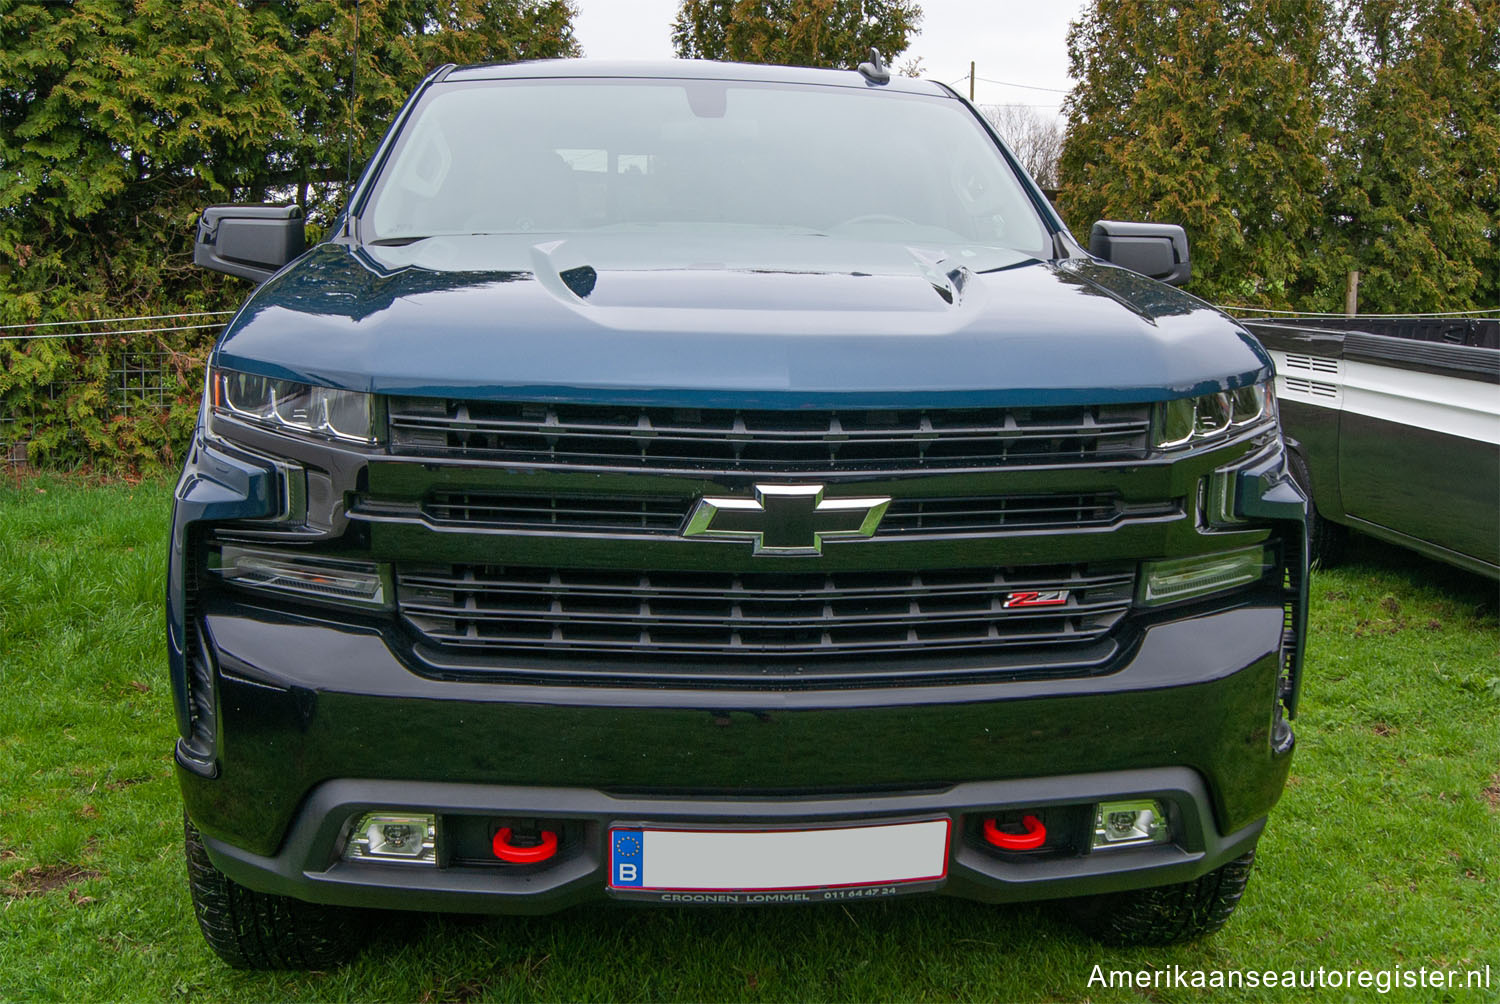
(752, 283)
(946, 280)
(580, 281)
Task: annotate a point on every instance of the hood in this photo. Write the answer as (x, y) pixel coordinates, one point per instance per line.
(752, 321)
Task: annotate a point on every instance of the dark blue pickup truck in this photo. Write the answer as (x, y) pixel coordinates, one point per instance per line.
(701, 483)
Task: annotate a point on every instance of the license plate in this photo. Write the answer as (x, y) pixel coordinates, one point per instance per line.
(647, 859)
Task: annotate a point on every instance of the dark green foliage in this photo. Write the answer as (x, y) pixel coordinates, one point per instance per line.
(1296, 140)
(832, 33)
(121, 119)
(1205, 115)
(1417, 155)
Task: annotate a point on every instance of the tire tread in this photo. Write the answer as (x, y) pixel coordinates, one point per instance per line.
(256, 930)
(1170, 914)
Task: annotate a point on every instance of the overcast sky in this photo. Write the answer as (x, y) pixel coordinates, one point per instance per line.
(1015, 41)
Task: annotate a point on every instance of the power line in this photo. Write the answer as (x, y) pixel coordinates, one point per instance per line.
(116, 320)
(105, 334)
(1029, 87)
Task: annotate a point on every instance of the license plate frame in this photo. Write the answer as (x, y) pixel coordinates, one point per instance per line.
(737, 863)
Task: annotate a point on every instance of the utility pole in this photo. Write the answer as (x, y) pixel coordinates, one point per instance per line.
(971, 81)
(1351, 294)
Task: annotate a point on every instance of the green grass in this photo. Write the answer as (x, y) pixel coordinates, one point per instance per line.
(1384, 851)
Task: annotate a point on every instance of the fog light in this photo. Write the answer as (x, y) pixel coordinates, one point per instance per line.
(388, 836)
(361, 583)
(1129, 824)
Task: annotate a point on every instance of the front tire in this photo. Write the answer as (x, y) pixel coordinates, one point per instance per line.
(256, 930)
(1169, 914)
(1325, 539)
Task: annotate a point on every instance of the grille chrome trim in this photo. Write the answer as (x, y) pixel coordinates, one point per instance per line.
(667, 515)
(795, 443)
(755, 615)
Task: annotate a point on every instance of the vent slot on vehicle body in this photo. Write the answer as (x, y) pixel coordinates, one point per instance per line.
(759, 615)
(1312, 388)
(198, 663)
(1306, 385)
(786, 442)
(1313, 364)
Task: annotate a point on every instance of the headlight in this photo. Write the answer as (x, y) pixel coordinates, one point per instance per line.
(296, 408)
(1192, 420)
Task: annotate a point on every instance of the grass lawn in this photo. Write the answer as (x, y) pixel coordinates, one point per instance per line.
(1384, 851)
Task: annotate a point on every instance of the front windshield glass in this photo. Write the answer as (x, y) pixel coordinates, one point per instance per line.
(564, 156)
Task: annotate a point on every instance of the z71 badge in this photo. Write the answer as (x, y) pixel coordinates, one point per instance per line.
(1036, 598)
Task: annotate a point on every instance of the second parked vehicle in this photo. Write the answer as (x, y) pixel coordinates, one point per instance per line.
(1394, 430)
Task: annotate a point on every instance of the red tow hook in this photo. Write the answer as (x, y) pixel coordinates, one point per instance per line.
(507, 851)
(1035, 835)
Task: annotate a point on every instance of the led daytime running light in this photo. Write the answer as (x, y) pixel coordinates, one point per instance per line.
(332, 580)
(1188, 578)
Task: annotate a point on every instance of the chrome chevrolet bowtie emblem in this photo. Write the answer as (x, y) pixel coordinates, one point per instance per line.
(785, 519)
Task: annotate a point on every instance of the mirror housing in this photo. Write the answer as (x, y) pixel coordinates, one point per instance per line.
(251, 242)
(1157, 250)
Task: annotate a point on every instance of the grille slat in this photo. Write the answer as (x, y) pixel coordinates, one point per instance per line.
(736, 589)
(580, 515)
(755, 614)
(666, 515)
(646, 644)
(740, 620)
(786, 441)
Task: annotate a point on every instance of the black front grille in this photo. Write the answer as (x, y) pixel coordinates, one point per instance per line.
(786, 442)
(560, 513)
(761, 615)
(984, 514)
(668, 514)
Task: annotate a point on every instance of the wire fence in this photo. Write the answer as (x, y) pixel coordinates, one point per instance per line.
(130, 371)
(1235, 308)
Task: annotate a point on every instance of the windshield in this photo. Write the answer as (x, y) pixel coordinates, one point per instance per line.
(563, 156)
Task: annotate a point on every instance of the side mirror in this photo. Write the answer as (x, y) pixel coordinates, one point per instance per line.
(251, 242)
(1157, 250)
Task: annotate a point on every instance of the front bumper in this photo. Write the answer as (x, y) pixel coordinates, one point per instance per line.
(314, 719)
(307, 865)
(319, 722)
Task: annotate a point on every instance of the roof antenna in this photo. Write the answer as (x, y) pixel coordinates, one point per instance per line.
(875, 71)
(349, 111)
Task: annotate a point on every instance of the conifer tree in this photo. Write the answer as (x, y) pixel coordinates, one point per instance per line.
(120, 119)
(1208, 115)
(830, 33)
(1417, 156)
